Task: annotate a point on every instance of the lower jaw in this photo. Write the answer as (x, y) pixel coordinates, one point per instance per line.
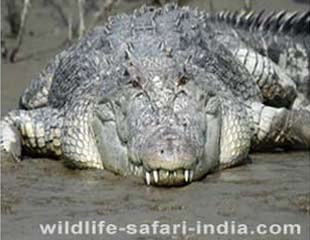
(161, 177)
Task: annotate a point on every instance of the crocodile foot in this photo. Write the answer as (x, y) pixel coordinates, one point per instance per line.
(10, 147)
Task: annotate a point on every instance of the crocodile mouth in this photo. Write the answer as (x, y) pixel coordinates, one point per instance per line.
(163, 177)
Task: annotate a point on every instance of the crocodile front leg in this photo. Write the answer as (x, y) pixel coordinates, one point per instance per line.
(45, 132)
(37, 131)
(79, 144)
(280, 127)
(235, 132)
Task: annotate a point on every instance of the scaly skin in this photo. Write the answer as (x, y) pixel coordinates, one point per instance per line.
(168, 94)
(279, 41)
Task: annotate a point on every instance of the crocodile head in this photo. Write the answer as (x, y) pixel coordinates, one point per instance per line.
(160, 118)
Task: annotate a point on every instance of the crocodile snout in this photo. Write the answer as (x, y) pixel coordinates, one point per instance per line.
(168, 158)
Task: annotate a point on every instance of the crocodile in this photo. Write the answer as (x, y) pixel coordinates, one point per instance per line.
(169, 94)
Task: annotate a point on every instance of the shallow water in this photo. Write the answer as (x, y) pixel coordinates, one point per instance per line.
(274, 188)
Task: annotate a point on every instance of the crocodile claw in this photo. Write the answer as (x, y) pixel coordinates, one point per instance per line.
(9, 142)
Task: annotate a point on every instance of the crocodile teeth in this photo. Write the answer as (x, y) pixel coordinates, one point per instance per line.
(148, 178)
(155, 175)
(137, 170)
(166, 174)
(186, 175)
(191, 175)
(175, 174)
(140, 171)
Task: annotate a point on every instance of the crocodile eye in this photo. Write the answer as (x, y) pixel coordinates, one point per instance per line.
(182, 80)
(136, 82)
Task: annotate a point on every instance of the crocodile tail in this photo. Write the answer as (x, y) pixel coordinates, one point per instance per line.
(281, 22)
(268, 32)
(282, 36)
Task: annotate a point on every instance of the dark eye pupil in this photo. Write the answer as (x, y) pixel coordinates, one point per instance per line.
(135, 83)
(182, 80)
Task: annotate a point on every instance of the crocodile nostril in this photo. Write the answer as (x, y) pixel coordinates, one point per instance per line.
(162, 151)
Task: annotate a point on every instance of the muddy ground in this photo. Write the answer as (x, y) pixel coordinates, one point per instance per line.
(274, 188)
